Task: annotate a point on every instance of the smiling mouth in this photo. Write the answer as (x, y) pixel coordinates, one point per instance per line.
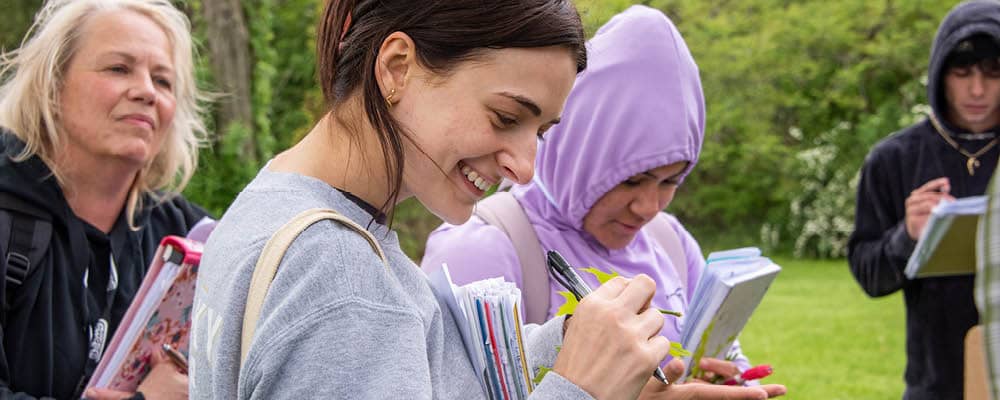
(475, 178)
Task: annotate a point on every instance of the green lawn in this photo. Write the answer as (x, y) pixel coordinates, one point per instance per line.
(825, 338)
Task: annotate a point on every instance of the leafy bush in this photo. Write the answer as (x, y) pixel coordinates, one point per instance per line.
(796, 93)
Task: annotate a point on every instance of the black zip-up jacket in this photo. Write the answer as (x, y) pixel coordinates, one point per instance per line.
(939, 311)
(45, 334)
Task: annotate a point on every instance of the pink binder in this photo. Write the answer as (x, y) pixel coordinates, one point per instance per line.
(160, 313)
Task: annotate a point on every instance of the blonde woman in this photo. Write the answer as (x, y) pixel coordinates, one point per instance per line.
(100, 129)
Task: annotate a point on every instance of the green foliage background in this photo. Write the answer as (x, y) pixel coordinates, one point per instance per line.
(796, 92)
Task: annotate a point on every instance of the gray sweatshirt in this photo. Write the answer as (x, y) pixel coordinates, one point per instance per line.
(336, 323)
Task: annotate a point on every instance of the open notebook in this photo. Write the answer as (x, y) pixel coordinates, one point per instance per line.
(729, 290)
(160, 312)
(489, 318)
(947, 245)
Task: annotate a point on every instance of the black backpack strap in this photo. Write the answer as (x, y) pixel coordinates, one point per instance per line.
(22, 232)
(23, 244)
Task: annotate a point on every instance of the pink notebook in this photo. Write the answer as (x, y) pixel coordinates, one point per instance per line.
(160, 313)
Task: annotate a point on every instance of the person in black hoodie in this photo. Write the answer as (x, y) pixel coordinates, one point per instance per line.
(101, 127)
(951, 154)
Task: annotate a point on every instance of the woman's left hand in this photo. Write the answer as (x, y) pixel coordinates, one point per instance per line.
(164, 381)
(655, 390)
(716, 370)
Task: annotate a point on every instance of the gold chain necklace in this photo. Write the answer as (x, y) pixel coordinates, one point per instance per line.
(973, 158)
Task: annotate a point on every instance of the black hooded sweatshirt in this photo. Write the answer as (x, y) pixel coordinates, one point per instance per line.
(939, 311)
(45, 334)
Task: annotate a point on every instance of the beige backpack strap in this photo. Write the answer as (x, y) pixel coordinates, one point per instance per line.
(665, 234)
(271, 255)
(504, 212)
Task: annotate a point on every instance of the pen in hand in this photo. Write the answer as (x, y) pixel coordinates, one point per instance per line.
(176, 358)
(568, 278)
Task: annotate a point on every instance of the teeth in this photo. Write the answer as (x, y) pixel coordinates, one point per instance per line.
(474, 177)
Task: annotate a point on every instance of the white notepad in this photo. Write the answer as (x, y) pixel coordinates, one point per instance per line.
(729, 290)
(947, 246)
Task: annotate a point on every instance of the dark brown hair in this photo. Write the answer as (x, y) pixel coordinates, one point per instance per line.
(445, 33)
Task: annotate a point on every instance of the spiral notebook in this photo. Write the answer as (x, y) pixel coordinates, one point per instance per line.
(489, 318)
(160, 312)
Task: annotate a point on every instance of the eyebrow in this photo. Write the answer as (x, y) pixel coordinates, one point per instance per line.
(647, 173)
(131, 60)
(524, 102)
(527, 103)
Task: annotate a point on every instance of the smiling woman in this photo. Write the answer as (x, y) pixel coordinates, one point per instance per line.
(431, 99)
(100, 128)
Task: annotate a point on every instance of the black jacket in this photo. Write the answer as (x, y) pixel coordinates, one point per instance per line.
(45, 333)
(939, 311)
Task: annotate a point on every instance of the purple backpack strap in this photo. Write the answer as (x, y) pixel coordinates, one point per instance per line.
(504, 212)
(667, 237)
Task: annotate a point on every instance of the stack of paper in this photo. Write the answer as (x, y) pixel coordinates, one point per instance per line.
(160, 312)
(489, 318)
(947, 246)
(730, 288)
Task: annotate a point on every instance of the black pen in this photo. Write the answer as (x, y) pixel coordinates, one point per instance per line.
(567, 276)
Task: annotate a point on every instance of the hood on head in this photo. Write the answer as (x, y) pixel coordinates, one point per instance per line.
(637, 106)
(964, 20)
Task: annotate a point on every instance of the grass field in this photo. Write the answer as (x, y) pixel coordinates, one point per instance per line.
(825, 338)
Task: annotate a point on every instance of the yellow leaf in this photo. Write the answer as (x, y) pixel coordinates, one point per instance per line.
(602, 277)
(541, 374)
(569, 306)
(677, 351)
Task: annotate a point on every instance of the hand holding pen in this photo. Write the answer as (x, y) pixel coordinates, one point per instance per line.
(176, 358)
(613, 342)
(167, 379)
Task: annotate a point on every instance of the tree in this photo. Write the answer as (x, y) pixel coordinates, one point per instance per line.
(229, 45)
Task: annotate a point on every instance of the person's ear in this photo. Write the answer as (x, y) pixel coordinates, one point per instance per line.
(396, 62)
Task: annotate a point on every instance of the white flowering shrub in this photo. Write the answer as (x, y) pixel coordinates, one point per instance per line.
(821, 210)
(821, 215)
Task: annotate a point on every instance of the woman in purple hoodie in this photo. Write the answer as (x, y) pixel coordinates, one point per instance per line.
(631, 131)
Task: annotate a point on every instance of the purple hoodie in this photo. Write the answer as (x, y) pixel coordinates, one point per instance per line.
(636, 107)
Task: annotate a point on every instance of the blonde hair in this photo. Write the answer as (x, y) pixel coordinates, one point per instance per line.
(33, 73)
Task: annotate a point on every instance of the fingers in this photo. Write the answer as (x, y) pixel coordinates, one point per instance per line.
(919, 205)
(157, 357)
(935, 185)
(774, 390)
(925, 201)
(612, 288)
(637, 294)
(660, 347)
(106, 394)
(674, 370)
(724, 368)
(651, 322)
(928, 195)
(720, 392)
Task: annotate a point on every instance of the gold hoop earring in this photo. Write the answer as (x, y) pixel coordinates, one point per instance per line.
(388, 99)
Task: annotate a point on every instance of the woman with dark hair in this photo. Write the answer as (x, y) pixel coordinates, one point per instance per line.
(100, 132)
(432, 99)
